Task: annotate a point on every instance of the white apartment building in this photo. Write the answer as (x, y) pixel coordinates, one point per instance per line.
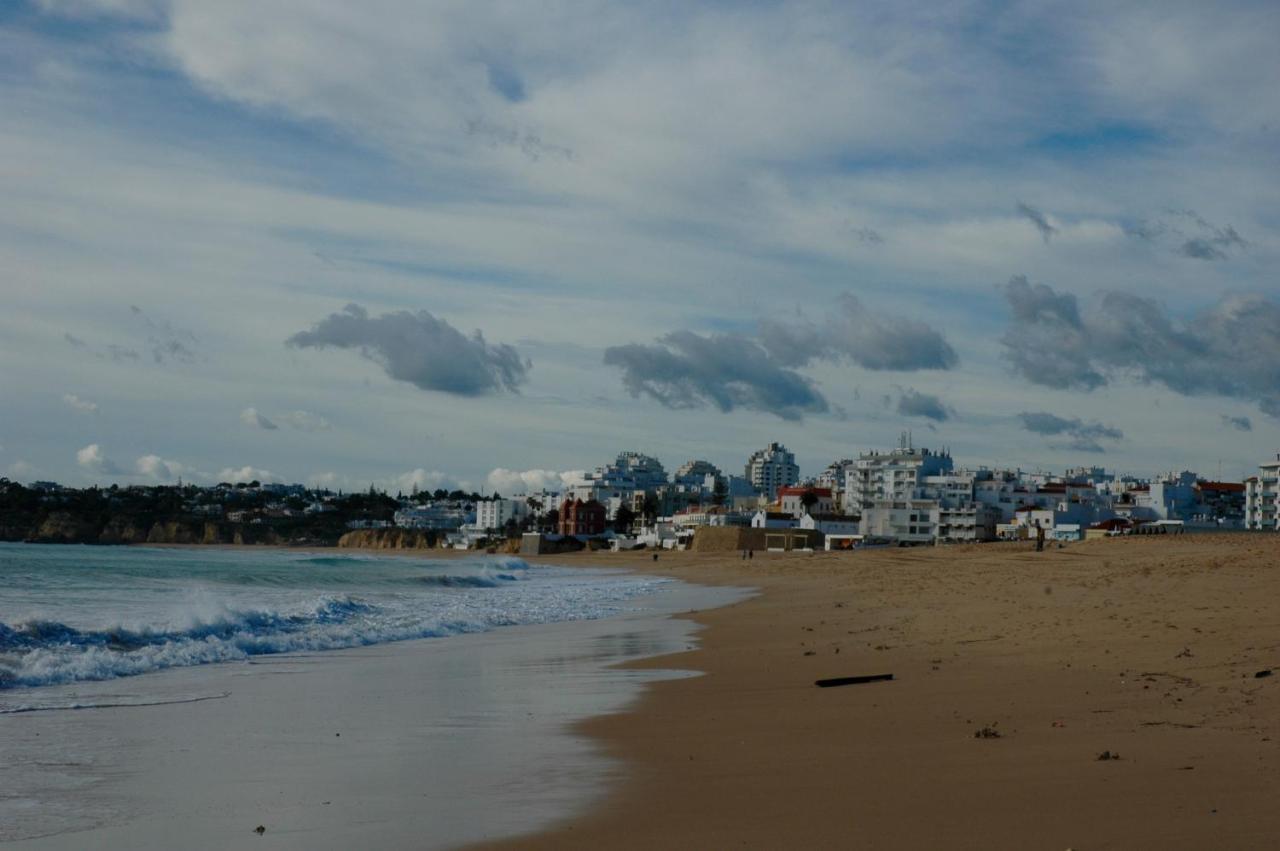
(923, 521)
(772, 468)
(892, 476)
(1262, 497)
(494, 513)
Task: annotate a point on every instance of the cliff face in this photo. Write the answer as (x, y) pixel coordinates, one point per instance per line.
(61, 527)
(64, 528)
(389, 539)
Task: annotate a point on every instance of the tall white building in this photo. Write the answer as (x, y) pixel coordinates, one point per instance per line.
(1262, 497)
(494, 513)
(892, 475)
(772, 468)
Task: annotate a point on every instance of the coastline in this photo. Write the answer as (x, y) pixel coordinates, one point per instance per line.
(421, 743)
(1141, 648)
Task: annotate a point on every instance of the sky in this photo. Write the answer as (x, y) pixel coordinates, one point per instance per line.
(480, 244)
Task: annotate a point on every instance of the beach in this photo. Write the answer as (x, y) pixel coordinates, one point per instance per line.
(1142, 650)
(1014, 673)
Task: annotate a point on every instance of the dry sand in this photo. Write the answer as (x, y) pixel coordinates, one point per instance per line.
(1142, 647)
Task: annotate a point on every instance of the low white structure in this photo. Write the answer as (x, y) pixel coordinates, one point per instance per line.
(772, 520)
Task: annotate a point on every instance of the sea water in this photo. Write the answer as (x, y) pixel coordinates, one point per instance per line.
(77, 613)
(178, 698)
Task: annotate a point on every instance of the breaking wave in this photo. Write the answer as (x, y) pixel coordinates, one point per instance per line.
(232, 621)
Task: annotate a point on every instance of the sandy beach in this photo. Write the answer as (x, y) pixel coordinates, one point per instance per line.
(1145, 650)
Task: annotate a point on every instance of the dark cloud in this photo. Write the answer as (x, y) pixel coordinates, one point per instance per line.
(1238, 423)
(165, 341)
(871, 340)
(868, 236)
(687, 370)
(1037, 218)
(1212, 246)
(112, 351)
(1230, 349)
(420, 349)
(1191, 234)
(1083, 436)
(121, 353)
(915, 404)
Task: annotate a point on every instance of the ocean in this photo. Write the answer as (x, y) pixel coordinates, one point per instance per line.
(152, 693)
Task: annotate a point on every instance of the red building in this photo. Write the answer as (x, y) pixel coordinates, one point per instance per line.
(581, 518)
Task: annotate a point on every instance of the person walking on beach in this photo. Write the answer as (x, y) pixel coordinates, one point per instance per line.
(1039, 537)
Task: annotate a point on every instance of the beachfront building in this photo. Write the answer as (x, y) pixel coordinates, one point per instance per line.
(791, 500)
(579, 517)
(891, 476)
(1262, 497)
(771, 468)
(440, 516)
(927, 521)
(765, 519)
(832, 524)
(494, 514)
(626, 481)
(1219, 504)
(712, 515)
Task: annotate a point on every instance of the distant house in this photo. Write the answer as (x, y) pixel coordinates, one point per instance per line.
(831, 524)
(791, 500)
(772, 520)
(582, 518)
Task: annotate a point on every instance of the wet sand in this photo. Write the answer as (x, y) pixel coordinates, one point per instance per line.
(418, 744)
(1145, 648)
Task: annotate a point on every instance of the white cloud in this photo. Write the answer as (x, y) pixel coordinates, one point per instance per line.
(84, 406)
(425, 480)
(516, 482)
(252, 418)
(246, 474)
(165, 470)
(92, 459)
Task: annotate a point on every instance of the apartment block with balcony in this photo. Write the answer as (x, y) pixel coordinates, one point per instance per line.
(1262, 497)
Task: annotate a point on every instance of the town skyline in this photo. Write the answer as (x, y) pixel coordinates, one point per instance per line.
(521, 239)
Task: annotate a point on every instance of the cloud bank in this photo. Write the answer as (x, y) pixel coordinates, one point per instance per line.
(1084, 436)
(913, 403)
(687, 370)
(872, 340)
(419, 348)
(1230, 349)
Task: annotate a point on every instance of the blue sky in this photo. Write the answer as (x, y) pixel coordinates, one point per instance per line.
(187, 185)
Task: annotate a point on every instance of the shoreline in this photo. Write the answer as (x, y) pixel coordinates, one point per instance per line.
(1145, 648)
(401, 744)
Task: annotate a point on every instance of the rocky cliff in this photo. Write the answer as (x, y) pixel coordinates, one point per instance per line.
(389, 539)
(65, 528)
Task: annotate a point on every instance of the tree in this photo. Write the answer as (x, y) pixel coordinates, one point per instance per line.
(720, 491)
(623, 520)
(649, 508)
(553, 519)
(809, 499)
